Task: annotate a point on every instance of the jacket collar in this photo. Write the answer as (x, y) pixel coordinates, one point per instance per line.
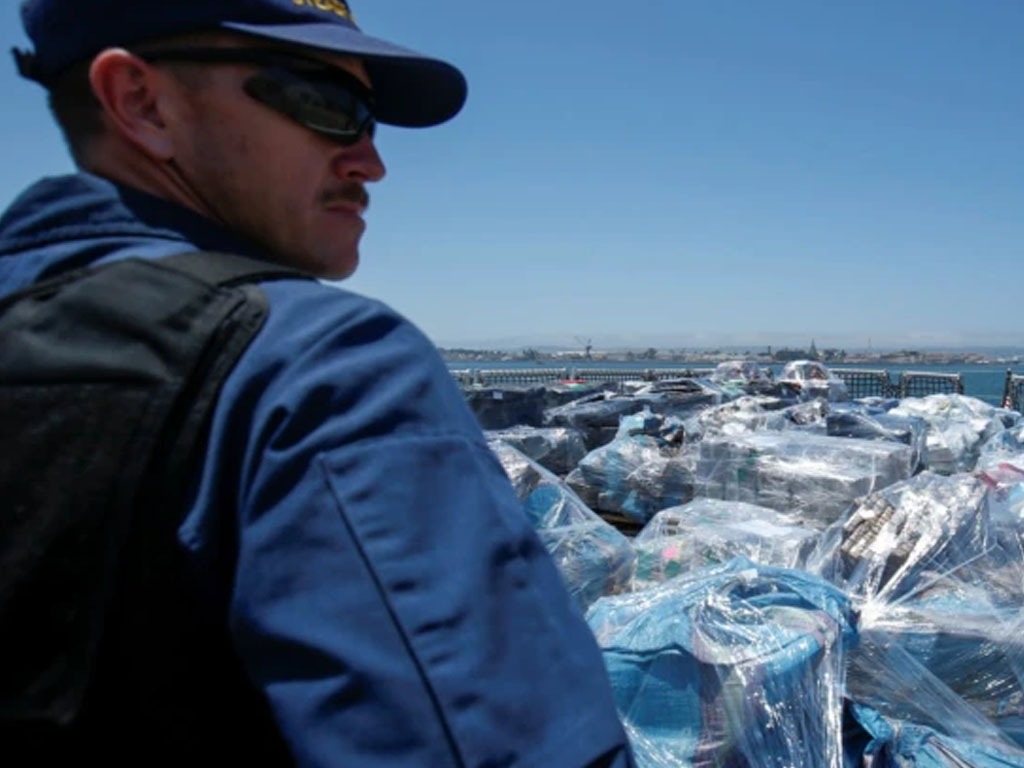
(70, 208)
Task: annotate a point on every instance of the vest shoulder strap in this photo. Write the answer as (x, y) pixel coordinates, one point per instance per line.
(108, 380)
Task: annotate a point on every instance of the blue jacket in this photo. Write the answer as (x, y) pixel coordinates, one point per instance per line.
(389, 597)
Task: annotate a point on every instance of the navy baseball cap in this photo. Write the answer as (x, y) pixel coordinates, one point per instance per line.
(410, 89)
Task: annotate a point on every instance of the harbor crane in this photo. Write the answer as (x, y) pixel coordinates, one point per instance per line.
(587, 345)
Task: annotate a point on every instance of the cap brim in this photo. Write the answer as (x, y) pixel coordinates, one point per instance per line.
(410, 89)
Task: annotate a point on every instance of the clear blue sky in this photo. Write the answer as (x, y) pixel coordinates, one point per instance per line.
(683, 173)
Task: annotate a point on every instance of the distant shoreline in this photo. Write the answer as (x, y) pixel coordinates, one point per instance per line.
(654, 358)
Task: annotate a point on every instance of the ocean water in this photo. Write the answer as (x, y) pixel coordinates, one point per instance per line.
(985, 382)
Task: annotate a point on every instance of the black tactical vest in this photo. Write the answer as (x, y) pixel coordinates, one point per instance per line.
(110, 648)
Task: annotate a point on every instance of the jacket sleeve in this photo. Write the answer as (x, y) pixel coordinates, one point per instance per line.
(390, 597)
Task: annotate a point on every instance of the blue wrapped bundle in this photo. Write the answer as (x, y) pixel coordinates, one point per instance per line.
(739, 665)
(593, 558)
(900, 744)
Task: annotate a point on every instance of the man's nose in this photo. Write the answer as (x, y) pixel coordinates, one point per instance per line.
(359, 162)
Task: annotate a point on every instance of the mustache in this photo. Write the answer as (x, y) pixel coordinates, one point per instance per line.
(350, 192)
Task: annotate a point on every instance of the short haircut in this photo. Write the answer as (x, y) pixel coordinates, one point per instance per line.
(76, 109)
(79, 113)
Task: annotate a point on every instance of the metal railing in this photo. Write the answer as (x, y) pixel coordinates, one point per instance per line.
(487, 377)
(860, 382)
(661, 374)
(608, 374)
(864, 382)
(494, 376)
(638, 374)
(1013, 392)
(922, 383)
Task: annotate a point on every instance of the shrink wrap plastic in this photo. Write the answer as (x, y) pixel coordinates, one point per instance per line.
(1005, 483)
(507, 406)
(814, 477)
(596, 417)
(665, 430)
(870, 404)
(939, 581)
(636, 474)
(899, 744)
(739, 665)
(593, 557)
(953, 662)
(709, 532)
(1006, 447)
(755, 414)
(908, 430)
(814, 380)
(679, 398)
(745, 414)
(743, 371)
(957, 428)
(743, 377)
(557, 449)
(903, 538)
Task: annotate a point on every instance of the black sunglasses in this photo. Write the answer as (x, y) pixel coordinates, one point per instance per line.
(325, 99)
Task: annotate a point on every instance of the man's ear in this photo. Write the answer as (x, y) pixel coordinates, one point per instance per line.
(130, 92)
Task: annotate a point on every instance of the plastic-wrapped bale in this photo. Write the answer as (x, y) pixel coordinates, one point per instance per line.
(753, 414)
(745, 414)
(811, 414)
(1005, 498)
(892, 743)
(903, 538)
(709, 532)
(634, 476)
(558, 449)
(666, 430)
(814, 477)
(739, 665)
(1005, 447)
(596, 417)
(908, 430)
(1009, 417)
(960, 640)
(507, 406)
(813, 380)
(957, 427)
(680, 398)
(740, 371)
(940, 589)
(593, 557)
(561, 392)
(870, 404)
(750, 379)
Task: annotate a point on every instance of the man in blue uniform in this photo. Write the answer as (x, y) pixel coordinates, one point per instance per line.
(385, 599)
